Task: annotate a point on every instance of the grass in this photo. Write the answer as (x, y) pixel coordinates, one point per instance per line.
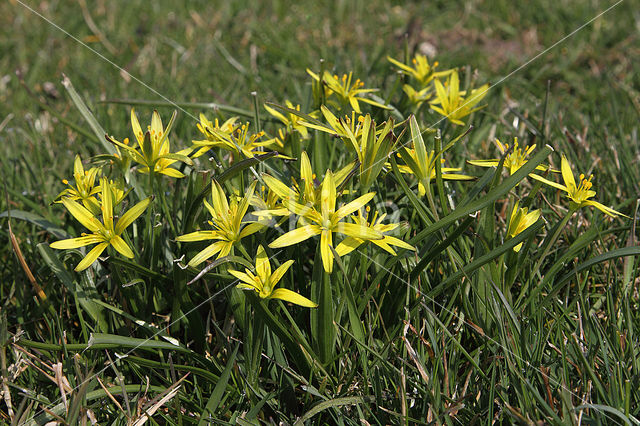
(449, 336)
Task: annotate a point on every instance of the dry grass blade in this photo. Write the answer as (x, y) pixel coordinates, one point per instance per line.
(62, 383)
(16, 249)
(156, 403)
(111, 397)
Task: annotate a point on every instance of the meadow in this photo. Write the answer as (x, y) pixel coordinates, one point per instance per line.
(320, 213)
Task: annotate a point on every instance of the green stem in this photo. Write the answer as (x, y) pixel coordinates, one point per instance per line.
(165, 207)
(438, 167)
(553, 239)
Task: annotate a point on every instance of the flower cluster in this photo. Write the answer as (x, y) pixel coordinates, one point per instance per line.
(334, 206)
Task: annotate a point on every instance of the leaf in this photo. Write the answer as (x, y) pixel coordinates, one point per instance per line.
(324, 405)
(613, 254)
(218, 392)
(84, 295)
(198, 105)
(483, 260)
(490, 197)
(322, 327)
(422, 210)
(155, 331)
(105, 341)
(38, 221)
(88, 116)
(298, 348)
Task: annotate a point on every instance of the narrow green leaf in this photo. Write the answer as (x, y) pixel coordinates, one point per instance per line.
(87, 115)
(613, 254)
(38, 221)
(85, 295)
(218, 392)
(324, 405)
(483, 260)
(490, 197)
(421, 209)
(182, 105)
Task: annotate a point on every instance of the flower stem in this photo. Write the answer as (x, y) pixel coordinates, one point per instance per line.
(550, 243)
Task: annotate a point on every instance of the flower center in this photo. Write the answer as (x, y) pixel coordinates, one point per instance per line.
(584, 188)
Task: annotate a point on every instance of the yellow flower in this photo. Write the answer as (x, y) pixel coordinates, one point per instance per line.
(83, 188)
(264, 281)
(154, 151)
(104, 232)
(214, 132)
(513, 161)
(347, 91)
(326, 221)
(371, 144)
(417, 97)
(422, 163)
(520, 220)
(372, 148)
(227, 222)
(338, 126)
(451, 100)
(578, 194)
(421, 70)
(240, 141)
(351, 243)
(291, 121)
(120, 159)
(304, 192)
(267, 204)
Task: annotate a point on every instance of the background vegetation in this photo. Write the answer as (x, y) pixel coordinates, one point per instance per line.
(572, 359)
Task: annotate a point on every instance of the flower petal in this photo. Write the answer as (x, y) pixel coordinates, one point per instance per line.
(263, 267)
(207, 253)
(306, 173)
(82, 215)
(72, 243)
(567, 174)
(171, 172)
(244, 278)
(279, 188)
(328, 193)
(279, 273)
(484, 163)
(91, 257)
(219, 199)
(135, 126)
(131, 215)
(292, 297)
(107, 203)
(325, 251)
(354, 205)
(197, 236)
(118, 243)
(348, 245)
(396, 242)
(549, 182)
(358, 231)
(296, 236)
(606, 210)
(251, 228)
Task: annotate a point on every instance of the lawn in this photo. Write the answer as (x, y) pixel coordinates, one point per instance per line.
(460, 325)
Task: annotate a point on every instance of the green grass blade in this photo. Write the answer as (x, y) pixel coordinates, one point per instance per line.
(85, 295)
(218, 392)
(484, 259)
(88, 115)
(38, 221)
(490, 197)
